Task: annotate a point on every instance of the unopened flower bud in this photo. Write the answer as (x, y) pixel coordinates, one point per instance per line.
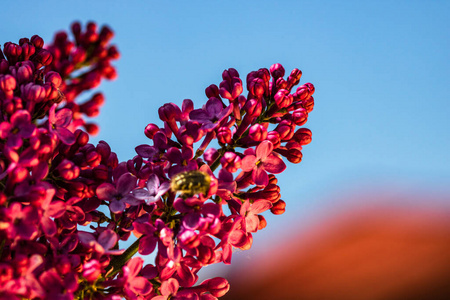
(231, 162)
(43, 58)
(300, 116)
(24, 72)
(168, 112)
(106, 34)
(286, 129)
(257, 132)
(224, 135)
(308, 104)
(93, 158)
(81, 137)
(210, 155)
(12, 52)
(253, 108)
(305, 91)
(275, 138)
(278, 207)
(257, 87)
(262, 222)
(229, 74)
(217, 286)
(150, 130)
(54, 78)
(27, 51)
(283, 98)
(277, 71)
(294, 78)
(33, 92)
(212, 91)
(8, 84)
(68, 170)
(4, 65)
(294, 153)
(303, 136)
(113, 53)
(37, 41)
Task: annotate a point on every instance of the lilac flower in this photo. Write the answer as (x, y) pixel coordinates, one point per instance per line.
(211, 115)
(119, 195)
(134, 285)
(261, 161)
(250, 212)
(168, 288)
(151, 235)
(231, 236)
(154, 190)
(58, 123)
(103, 244)
(18, 128)
(22, 223)
(58, 287)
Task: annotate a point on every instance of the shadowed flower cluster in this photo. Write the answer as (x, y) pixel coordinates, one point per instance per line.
(68, 206)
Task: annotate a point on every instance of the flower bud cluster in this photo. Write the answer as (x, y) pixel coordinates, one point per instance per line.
(192, 196)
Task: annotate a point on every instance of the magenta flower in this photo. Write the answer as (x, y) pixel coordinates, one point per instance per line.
(120, 194)
(135, 285)
(58, 123)
(19, 127)
(261, 161)
(168, 288)
(22, 223)
(159, 235)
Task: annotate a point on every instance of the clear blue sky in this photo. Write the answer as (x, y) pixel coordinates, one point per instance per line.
(380, 69)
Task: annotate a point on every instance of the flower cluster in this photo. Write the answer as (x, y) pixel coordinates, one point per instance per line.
(193, 195)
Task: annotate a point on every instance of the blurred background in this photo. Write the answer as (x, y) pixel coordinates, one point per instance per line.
(367, 209)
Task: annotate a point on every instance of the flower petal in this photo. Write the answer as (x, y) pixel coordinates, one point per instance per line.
(274, 164)
(248, 163)
(260, 176)
(126, 183)
(263, 150)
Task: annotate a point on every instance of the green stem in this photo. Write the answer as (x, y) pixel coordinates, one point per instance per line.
(117, 262)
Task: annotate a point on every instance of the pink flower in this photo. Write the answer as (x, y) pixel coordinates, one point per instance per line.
(261, 161)
(250, 212)
(135, 285)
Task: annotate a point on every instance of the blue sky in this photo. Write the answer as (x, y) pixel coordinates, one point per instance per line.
(381, 119)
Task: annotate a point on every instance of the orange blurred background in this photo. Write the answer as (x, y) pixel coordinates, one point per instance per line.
(390, 247)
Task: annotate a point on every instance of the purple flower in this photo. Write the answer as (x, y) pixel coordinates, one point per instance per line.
(211, 115)
(120, 194)
(58, 123)
(106, 240)
(261, 161)
(154, 190)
